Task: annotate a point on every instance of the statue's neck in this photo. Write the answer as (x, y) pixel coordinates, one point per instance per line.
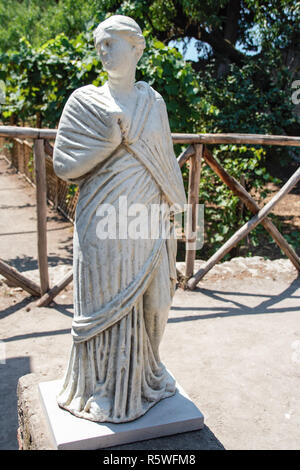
(122, 88)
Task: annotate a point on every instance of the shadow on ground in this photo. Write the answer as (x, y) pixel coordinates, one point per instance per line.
(239, 308)
(28, 263)
(10, 372)
(15, 307)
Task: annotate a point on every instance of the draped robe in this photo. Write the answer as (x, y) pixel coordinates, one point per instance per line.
(123, 287)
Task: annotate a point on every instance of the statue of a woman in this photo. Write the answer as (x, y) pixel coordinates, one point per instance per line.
(115, 142)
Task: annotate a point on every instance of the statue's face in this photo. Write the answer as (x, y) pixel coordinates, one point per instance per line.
(117, 54)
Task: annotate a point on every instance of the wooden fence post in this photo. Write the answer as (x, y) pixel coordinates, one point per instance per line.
(41, 206)
(193, 199)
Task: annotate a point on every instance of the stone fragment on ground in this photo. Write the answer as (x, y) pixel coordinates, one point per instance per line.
(241, 268)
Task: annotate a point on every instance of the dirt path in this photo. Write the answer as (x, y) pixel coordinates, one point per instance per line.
(234, 344)
(18, 239)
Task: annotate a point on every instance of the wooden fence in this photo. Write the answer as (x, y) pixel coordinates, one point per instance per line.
(195, 154)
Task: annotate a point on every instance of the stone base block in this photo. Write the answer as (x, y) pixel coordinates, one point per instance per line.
(177, 414)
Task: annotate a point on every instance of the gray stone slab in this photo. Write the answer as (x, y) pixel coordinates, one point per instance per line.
(177, 414)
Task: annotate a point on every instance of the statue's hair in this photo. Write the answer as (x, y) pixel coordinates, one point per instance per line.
(124, 25)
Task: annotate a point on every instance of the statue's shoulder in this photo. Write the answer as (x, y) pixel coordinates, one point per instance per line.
(144, 86)
(88, 97)
(87, 91)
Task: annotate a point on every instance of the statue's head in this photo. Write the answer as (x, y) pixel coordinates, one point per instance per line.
(119, 42)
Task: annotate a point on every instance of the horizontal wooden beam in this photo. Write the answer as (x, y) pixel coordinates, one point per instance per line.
(251, 139)
(27, 132)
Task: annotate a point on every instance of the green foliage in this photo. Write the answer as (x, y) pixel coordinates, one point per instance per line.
(40, 80)
(222, 209)
(72, 190)
(30, 164)
(236, 103)
(254, 99)
(294, 239)
(40, 21)
(165, 70)
(277, 22)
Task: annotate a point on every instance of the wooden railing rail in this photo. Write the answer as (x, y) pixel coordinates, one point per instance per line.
(194, 154)
(252, 139)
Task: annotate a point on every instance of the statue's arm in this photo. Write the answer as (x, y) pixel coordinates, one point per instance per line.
(86, 136)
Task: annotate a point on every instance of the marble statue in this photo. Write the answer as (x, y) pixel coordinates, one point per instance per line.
(114, 141)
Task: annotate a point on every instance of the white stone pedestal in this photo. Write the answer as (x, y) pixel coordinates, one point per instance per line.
(172, 415)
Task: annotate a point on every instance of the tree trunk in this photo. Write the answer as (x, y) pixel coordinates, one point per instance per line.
(232, 21)
(38, 119)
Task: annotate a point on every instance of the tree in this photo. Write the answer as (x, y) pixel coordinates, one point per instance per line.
(223, 25)
(228, 31)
